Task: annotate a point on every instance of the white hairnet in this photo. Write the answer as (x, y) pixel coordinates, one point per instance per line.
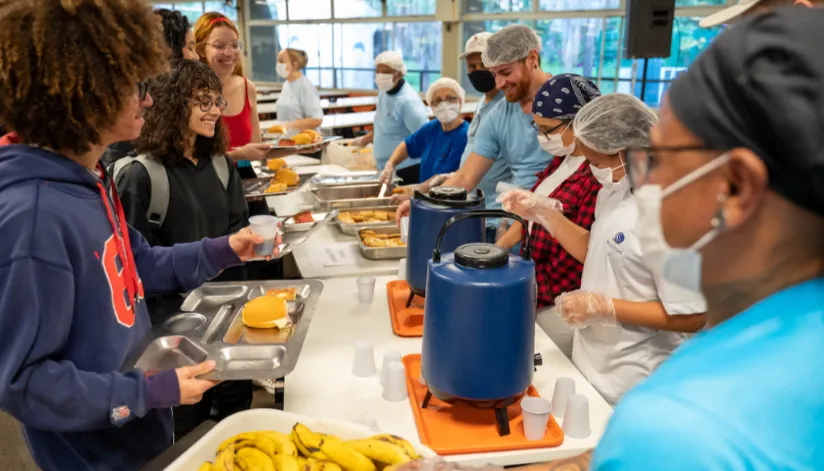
(392, 59)
(510, 44)
(445, 82)
(614, 122)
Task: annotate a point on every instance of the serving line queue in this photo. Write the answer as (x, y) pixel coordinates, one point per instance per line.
(734, 181)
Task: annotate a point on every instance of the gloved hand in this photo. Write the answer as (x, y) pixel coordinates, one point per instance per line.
(387, 173)
(403, 210)
(530, 206)
(405, 195)
(437, 180)
(582, 308)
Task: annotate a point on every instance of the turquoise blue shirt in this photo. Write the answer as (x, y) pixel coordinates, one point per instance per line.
(499, 172)
(507, 134)
(439, 151)
(747, 394)
(396, 117)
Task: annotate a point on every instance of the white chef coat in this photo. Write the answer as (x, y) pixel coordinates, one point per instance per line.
(614, 358)
(569, 166)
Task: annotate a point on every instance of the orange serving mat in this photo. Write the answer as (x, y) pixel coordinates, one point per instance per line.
(461, 429)
(406, 321)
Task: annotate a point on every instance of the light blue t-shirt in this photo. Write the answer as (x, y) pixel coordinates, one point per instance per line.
(507, 134)
(748, 394)
(299, 100)
(396, 117)
(499, 172)
(439, 151)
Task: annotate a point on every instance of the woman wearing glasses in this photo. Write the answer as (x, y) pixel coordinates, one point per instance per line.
(183, 131)
(439, 143)
(627, 318)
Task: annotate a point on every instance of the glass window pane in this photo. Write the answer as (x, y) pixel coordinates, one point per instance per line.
(267, 9)
(357, 8)
(471, 28)
(316, 41)
(496, 6)
(410, 7)
(571, 45)
(420, 45)
(264, 49)
(696, 3)
(356, 45)
(229, 11)
(314, 10)
(191, 10)
(559, 5)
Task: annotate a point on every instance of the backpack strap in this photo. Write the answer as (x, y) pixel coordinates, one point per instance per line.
(221, 165)
(159, 198)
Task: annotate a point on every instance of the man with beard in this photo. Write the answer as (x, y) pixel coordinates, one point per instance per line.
(507, 133)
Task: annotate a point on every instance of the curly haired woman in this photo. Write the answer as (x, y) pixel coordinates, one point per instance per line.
(183, 132)
(73, 275)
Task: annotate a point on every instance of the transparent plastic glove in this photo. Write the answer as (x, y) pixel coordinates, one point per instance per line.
(403, 211)
(530, 206)
(406, 195)
(387, 173)
(439, 464)
(437, 180)
(582, 308)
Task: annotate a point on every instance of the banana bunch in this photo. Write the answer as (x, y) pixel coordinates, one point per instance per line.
(305, 450)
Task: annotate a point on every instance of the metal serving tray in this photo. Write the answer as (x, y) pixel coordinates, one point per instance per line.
(351, 196)
(289, 225)
(210, 328)
(381, 253)
(352, 229)
(255, 188)
(349, 178)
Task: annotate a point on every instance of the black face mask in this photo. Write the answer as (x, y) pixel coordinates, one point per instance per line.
(482, 80)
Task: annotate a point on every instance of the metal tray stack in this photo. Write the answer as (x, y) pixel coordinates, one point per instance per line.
(352, 229)
(381, 253)
(351, 196)
(210, 328)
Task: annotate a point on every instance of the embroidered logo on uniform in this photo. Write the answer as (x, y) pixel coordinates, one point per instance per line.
(119, 414)
(619, 237)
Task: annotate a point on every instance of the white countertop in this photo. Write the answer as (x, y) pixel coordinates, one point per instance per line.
(322, 385)
(308, 258)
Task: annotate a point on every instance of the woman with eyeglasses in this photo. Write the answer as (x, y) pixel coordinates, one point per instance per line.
(627, 317)
(440, 142)
(567, 179)
(183, 131)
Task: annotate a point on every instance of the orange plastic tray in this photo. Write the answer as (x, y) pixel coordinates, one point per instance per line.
(406, 321)
(461, 429)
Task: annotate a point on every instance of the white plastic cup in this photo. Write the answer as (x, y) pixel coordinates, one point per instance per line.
(395, 388)
(266, 227)
(535, 412)
(393, 356)
(576, 418)
(363, 365)
(405, 229)
(564, 389)
(366, 289)
(402, 269)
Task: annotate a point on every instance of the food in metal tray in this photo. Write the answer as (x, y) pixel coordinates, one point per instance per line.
(287, 176)
(276, 187)
(306, 450)
(308, 136)
(275, 164)
(266, 312)
(276, 129)
(303, 218)
(357, 217)
(289, 294)
(375, 240)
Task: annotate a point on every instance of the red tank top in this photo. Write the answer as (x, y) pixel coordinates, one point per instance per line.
(239, 126)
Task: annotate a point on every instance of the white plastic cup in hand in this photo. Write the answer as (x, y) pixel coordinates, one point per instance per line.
(266, 227)
(405, 229)
(366, 289)
(576, 417)
(564, 389)
(393, 356)
(364, 363)
(402, 269)
(395, 388)
(535, 412)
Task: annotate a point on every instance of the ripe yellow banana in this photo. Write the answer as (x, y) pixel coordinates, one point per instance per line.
(381, 451)
(316, 465)
(254, 460)
(301, 462)
(398, 441)
(345, 456)
(285, 462)
(307, 442)
(207, 466)
(259, 440)
(282, 442)
(225, 460)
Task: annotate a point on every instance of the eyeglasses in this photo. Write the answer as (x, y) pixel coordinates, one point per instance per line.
(547, 133)
(206, 103)
(142, 90)
(450, 99)
(643, 160)
(234, 47)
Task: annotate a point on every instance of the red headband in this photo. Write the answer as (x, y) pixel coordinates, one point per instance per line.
(220, 19)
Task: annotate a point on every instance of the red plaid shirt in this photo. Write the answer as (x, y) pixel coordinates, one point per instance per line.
(556, 271)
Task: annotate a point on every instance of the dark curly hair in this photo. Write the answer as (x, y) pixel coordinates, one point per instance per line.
(68, 66)
(167, 122)
(175, 27)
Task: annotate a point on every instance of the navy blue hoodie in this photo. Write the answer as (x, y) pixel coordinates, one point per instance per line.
(72, 311)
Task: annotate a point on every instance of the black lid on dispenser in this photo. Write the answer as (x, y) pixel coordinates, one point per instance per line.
(448, 193)
(480, 255)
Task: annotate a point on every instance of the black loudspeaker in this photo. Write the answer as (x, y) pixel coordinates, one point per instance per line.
(649, 28)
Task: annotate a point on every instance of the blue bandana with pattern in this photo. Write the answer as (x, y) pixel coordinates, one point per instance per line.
(563, 95)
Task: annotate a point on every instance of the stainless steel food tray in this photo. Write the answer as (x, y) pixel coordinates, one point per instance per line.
(352, 229)
(349, 178)
(381, 253)
(210, 328)
(289, 225)
(351, 196)
(255, 188)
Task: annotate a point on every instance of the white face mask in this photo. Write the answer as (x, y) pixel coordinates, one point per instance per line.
(384, 82)
(604, 175)
(554, 144)
(679, 266)
(282, 69)
(447, 112)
